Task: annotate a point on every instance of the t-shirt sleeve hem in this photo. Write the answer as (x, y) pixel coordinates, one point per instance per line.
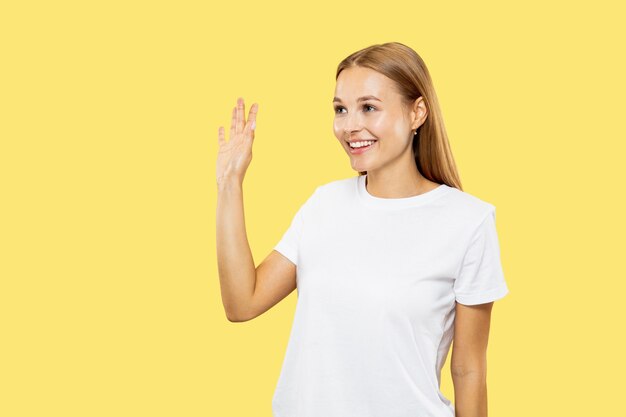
(287, 251)
(483, 296)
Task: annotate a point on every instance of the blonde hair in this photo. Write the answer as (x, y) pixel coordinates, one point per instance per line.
(406, 68)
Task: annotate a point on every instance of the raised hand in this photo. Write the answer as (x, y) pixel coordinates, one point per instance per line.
(234, 156)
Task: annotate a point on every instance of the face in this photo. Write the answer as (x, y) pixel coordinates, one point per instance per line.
(380, 117)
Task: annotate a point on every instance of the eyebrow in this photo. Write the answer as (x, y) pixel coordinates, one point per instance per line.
(337, 99)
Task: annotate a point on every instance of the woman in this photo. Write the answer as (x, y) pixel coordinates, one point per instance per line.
(390, 266)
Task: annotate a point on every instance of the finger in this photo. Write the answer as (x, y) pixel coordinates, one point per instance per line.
(233, 123)
(240, 115)
(251, 125)
(220, 136)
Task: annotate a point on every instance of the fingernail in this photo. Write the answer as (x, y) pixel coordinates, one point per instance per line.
(253, 125)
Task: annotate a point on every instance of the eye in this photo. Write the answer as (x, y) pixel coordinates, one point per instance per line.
(365, 106)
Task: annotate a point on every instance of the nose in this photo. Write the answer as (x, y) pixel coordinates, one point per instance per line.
(352, 123)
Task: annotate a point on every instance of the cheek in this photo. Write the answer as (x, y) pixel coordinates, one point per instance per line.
(398, 127)
(381, 125)
(337, 129)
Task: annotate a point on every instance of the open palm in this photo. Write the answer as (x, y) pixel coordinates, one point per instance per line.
(234, 156)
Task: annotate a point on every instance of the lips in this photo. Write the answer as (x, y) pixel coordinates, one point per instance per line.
(357, 151)
(361, 140)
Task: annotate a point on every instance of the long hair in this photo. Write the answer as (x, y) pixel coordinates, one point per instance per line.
(406, 68)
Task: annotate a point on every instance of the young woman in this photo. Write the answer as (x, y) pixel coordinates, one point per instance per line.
(391, 266)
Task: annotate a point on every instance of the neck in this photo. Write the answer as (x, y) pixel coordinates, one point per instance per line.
(396, 183)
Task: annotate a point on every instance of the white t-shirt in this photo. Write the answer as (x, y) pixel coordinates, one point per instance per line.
(377, 282)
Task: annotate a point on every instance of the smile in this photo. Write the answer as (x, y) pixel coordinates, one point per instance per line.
(361, 149)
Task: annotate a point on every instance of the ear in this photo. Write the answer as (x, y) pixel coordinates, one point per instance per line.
(419, 113)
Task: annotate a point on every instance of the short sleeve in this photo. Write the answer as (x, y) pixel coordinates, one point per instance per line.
(289, 244)
(481, 279)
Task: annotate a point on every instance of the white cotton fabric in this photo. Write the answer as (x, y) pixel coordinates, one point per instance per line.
(377, 282)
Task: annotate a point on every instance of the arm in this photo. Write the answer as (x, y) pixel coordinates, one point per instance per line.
(234, 258)
(247, 292)
(469, 359)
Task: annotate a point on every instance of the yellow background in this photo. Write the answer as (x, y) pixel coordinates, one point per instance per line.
(109, 298)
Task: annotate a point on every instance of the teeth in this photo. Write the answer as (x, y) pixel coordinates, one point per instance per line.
(361, 144)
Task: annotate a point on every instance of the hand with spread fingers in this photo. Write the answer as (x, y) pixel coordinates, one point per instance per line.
(234, 155)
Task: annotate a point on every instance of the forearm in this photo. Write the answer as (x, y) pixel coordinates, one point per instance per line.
(236, 269)
(470, 394)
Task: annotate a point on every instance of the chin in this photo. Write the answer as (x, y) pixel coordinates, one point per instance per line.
(362, 168)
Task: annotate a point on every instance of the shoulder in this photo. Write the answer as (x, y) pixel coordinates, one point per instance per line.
(466, 207)
(336, 188)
